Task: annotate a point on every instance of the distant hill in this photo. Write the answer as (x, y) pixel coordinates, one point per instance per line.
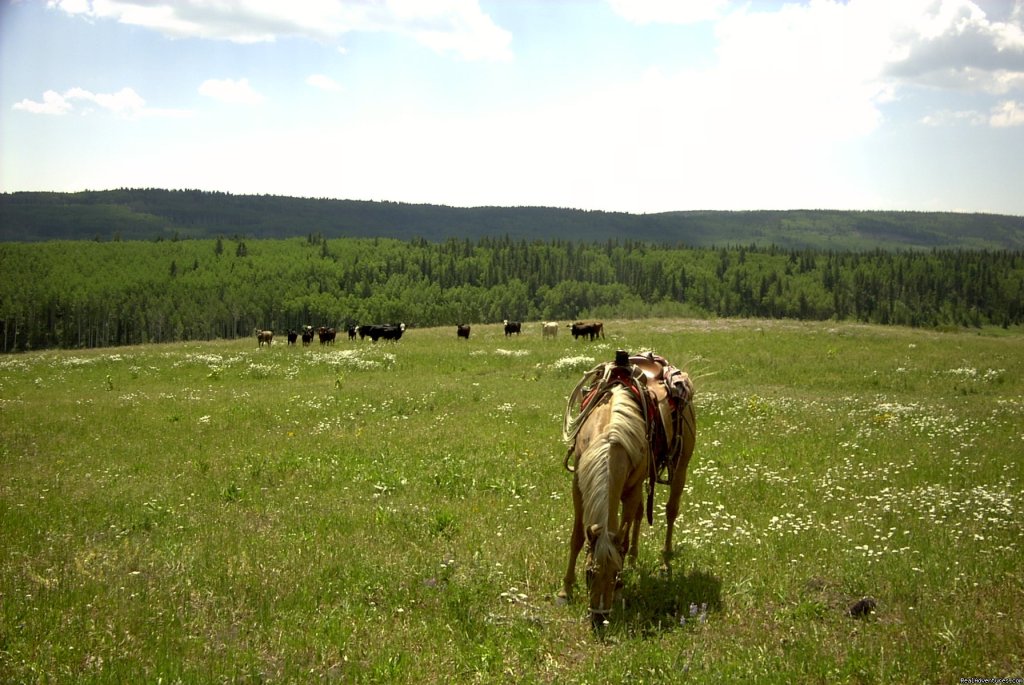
(152, 214)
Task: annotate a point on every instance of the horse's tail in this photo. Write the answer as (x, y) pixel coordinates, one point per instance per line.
(593, 474)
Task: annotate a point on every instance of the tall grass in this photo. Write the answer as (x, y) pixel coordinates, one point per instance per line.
(214, 512)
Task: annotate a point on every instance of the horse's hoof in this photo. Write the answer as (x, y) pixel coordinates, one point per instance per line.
(561, 599)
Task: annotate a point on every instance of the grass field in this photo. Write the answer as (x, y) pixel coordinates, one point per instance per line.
(214, 512)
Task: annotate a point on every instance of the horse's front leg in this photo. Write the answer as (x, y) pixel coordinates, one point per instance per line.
(629, 531)
(634, 532)
(575, 545)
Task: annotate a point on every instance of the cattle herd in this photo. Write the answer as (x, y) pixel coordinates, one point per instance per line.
(589, 330)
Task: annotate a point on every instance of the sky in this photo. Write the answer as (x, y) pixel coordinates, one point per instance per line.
(639, 106)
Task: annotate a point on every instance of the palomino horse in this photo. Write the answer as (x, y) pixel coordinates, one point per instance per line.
(614, 464)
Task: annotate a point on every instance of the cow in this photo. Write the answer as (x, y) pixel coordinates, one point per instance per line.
(590, 329)
(462, 331)
(389, 331)
(352, 332)
(327, 335)
(264, 337)
(549, 329)
(393, 332)
(513, 327)
(293, 335)
(307, 335)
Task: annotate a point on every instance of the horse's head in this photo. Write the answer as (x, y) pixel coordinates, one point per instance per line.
(604, 562)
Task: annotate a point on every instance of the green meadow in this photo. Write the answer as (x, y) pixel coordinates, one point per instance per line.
(214, 512)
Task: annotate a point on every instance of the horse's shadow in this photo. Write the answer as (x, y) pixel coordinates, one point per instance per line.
(657, 602)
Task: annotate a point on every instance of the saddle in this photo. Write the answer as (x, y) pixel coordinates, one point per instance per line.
(662, 391)
(668, 389)
(664, 381)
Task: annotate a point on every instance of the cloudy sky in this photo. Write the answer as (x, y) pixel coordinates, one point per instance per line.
(627, 105)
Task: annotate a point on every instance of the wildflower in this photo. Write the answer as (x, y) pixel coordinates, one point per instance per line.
(580, 363)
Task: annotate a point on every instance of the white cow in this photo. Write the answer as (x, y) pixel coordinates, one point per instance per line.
(550, 329)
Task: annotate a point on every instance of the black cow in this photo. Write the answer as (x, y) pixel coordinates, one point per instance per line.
(513, 327)
(389, 331)
(462, 331)
(590, 329)
(307, 335)
(293, 335)
(352, 332)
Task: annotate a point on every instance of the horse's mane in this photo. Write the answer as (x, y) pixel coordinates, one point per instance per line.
(626, 427)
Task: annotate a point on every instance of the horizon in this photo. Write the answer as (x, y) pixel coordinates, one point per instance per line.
(513, 207)
(620, 106)
(546, 207)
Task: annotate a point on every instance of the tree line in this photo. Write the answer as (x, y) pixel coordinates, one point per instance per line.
(92, 294)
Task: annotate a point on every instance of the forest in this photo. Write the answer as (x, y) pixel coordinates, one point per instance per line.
(71, 294)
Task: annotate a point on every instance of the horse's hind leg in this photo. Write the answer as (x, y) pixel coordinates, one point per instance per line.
(671, 512)
(678, 483)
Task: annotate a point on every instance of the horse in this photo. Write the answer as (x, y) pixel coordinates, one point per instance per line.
(614, 461)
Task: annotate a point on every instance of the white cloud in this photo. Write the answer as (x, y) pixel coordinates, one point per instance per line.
(946, 44)
(53, 103)
(1006, 114)
(447, 26)
(803, 74)
(948, 117)
(323, 83)
(669, 11)
(230, 91)
(792, 82)
(125, 103)
(954, 45)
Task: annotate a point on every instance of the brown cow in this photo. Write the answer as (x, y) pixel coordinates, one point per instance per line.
(327, 335)
(591, 329)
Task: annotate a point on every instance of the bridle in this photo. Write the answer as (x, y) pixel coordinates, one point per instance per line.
(591, 570)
